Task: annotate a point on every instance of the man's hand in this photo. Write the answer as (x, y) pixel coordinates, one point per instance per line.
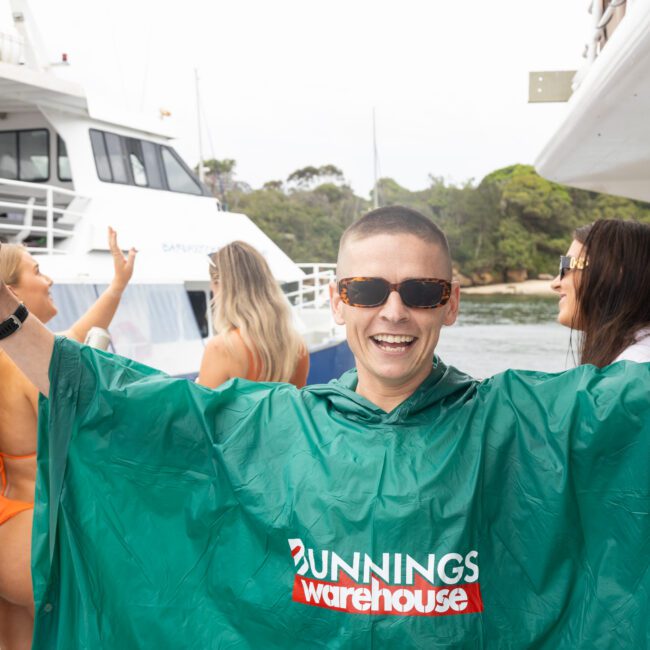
(123, 265)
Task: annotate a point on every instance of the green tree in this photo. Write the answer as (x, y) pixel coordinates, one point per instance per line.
(513, 220)
(306, 224)
(226, 166)
(303, 177)
(276, 186)
(220, 177)
(515, 246)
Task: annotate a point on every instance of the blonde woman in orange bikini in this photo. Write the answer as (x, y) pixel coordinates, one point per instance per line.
(18, 418)
(256, 338)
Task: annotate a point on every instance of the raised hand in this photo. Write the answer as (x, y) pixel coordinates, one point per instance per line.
(123, 265)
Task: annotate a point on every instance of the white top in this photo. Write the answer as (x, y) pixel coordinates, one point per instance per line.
(639, 351)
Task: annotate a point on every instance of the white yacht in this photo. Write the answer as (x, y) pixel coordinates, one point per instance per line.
(603, 143)
(70, 167)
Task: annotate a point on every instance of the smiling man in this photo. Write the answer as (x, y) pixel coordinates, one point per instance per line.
(404, 505)
(394, 294)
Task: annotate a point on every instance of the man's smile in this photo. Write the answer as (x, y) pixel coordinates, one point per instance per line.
(394, 343)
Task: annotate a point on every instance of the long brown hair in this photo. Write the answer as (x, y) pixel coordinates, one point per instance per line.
(613, 292)
(250, 300)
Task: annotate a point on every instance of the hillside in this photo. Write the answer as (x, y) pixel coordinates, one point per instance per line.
(510, 226)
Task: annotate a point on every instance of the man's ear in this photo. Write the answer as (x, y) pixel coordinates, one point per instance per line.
(336, 304)
(453, 304)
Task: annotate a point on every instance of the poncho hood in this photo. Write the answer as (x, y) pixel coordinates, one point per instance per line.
(443, 386)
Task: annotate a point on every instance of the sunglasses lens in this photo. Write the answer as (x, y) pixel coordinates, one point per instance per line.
(565, 265)
(367, 293)
(421, 293)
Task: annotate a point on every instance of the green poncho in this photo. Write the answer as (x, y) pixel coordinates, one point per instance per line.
(511, 513)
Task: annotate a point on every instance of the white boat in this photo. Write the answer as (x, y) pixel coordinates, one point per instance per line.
(603, 143)
(71, 166)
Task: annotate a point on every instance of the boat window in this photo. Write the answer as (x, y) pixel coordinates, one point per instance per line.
(120, 159)
(153, 314)
(116, 157)
(24, 155)
(34, 157)
(136, 160)
(62, 160)
(8, 155)
(199, 302)
(72, 302)
(152, 165)
(101, 157)
(154, 323)
(179, 178)
(155, 326)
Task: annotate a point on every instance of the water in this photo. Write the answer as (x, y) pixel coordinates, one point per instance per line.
(494, 333)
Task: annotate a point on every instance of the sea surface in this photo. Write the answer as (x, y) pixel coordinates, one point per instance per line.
(494, 333)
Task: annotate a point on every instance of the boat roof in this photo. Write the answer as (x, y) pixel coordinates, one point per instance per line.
(23, 89)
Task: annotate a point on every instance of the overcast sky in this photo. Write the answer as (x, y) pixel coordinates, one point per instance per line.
(289, 83)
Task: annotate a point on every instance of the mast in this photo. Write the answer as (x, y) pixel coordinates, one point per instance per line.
(198, 123)
(35, 52)
(375, 189)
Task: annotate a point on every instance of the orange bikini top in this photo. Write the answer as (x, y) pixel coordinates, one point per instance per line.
(299, 377)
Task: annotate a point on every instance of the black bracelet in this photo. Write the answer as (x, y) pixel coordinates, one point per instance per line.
(14, 322)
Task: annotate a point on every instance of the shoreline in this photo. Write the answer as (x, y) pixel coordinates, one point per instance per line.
(526, 288)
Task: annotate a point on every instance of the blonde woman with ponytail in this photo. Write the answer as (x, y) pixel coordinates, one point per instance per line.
(256, 338)
(18, 418)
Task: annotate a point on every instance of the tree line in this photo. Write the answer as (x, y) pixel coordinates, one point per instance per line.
(510, 226)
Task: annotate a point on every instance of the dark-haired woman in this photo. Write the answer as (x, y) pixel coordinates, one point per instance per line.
(604, 287)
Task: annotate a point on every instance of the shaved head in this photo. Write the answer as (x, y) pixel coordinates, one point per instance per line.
(394, 220)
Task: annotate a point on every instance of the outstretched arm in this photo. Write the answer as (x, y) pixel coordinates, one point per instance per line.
(30, 348)
(102, 311)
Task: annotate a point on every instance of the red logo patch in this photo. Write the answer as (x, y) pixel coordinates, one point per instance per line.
(397, 585)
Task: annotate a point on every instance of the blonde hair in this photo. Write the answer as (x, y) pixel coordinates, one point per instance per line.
(250, 300)
(10, 257)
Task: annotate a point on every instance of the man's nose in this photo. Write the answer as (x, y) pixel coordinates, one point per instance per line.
(394, 309)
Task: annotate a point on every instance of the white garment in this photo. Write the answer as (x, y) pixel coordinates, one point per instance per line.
(639, 351)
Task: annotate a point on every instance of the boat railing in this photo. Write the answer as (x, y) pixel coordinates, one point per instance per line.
(38, 214)
(312, 291)
(606, 17)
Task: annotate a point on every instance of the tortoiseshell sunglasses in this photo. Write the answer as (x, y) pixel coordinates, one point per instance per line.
(421, 293)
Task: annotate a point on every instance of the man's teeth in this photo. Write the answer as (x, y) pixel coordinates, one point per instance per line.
(391, 338)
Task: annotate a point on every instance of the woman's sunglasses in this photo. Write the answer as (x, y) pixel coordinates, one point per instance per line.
(421, 293)
(568, 263)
